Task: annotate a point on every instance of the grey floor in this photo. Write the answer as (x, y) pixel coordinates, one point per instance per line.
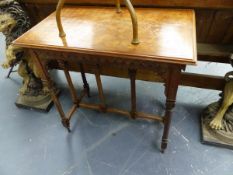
(33, 143)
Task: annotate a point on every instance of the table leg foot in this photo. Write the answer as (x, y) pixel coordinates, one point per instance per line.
(171, 87)
(164, 145)
(167, 122)
(66, 124)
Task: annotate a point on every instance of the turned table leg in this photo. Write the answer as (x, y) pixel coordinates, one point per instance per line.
(102, 106)
(10, 71)
(132, 75)
(72, 89)
(53, 92)
(85, 84)
(73, 92)
(171, 87)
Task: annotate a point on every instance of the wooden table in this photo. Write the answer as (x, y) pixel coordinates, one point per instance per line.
(98, 39)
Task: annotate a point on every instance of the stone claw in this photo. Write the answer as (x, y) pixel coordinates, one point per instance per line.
(5, 65)
(216, 124)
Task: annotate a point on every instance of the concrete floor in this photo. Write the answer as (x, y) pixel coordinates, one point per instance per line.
(33, 143)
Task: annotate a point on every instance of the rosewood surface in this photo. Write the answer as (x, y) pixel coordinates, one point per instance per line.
(165, 35)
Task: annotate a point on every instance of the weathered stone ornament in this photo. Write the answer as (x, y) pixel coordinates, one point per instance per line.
(14, 22)
(217, 119)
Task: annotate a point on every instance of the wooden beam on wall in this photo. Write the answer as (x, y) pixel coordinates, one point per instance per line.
(202, 81)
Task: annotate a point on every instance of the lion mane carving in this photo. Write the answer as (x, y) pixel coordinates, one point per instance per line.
(14, 22)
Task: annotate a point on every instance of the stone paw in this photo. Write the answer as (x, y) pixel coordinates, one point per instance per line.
(23, 90)
(216, 124)
(5, 65)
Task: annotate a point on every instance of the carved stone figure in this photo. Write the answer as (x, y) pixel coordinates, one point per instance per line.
(13, 23)
(217, 119)
(227, 100)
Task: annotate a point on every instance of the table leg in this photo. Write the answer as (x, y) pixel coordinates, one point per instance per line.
(72, 89)
(132, 75)
(10, 71)
(53, 92)
(85, 84)
(103, 106)
(171, 87)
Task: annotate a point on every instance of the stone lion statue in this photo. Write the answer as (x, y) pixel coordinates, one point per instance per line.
(13, 23)
(226, 102)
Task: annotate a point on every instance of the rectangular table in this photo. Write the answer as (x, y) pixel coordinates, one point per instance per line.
(98, 39)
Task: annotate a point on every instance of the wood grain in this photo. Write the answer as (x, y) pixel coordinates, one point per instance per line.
(166, 35)
(205, 14)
